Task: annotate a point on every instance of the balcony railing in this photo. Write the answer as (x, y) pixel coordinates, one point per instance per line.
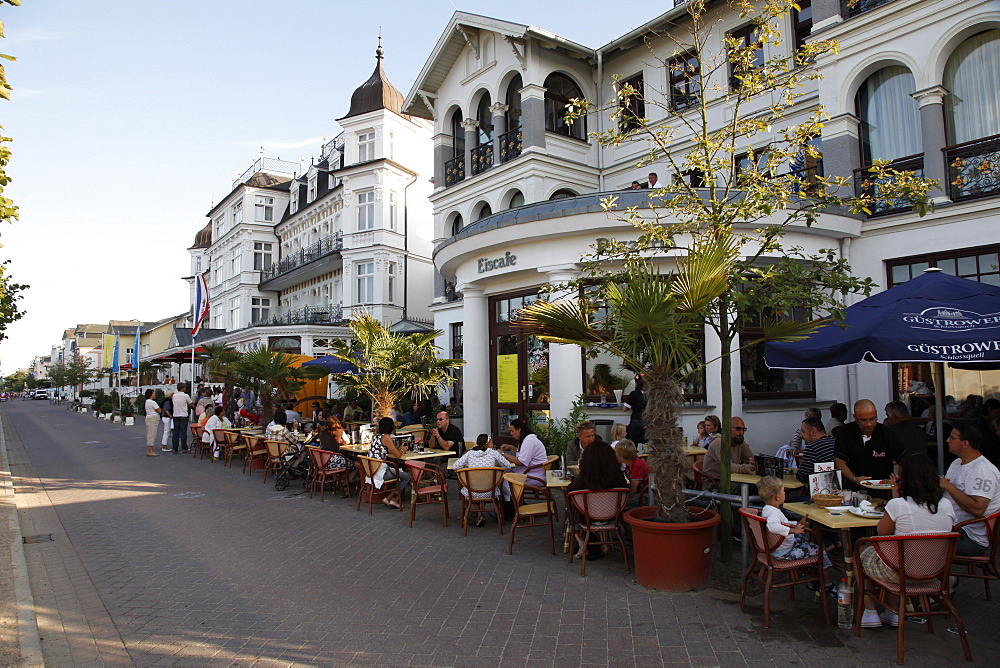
(263, 164)
(307, 315)
(865, 185)
(852, 8)
(510, 144)
(807, 176)
(482, 158)
(454, 171)
(973, 168)
(326, 246)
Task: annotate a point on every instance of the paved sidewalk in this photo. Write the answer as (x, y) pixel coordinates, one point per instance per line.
(178, 561)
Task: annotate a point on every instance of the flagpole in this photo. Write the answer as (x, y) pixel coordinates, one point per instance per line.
(193, 337)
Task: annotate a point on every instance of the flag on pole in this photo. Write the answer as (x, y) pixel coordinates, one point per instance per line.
(107, 350)
(114, 357)
(135, 346)
(200, 303)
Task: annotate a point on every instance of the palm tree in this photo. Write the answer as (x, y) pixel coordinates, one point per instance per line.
(268, 374)
(216, 359)
(391, 365)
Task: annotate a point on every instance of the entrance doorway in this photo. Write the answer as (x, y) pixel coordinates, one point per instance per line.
(519, 375)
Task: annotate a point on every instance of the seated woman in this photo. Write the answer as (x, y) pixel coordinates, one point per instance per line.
(484, 455)
(599, 470)
(618, 431)
(331, 437)
(635, 469)
(382, 447)
(211, 423)
(918, 505)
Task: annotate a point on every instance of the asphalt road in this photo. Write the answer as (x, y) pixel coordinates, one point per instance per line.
(172, 560)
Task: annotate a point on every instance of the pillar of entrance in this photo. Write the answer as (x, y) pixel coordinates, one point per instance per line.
(476, 372)
(565, 361)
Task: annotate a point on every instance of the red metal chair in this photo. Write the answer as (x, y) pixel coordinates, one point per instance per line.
(532, 514)
(428, 486)
(197, 445)
(699, 477)
(256, 454)
(368, 467)
(320, 475)
(764, 543)
(987, 562)
(481, 487)
(599, 512)
(921, 563)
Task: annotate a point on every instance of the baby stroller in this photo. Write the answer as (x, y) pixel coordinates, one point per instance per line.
(295, 467)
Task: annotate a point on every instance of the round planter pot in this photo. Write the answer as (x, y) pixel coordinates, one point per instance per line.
(672, 557)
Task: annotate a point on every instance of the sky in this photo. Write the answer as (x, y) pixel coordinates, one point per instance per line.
(131, 118)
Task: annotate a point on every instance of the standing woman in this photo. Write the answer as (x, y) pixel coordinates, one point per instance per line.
(636, 401)
(167, 418)
(152, 417)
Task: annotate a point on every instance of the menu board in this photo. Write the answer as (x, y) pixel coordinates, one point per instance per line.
(507, 382)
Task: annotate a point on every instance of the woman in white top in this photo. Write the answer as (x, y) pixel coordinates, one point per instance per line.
(528, 452)
(152, 417)
(211, 424)
(918, 505)
(482, 456)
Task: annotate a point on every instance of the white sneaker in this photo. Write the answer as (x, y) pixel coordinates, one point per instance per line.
(871, 620)
(890, 618)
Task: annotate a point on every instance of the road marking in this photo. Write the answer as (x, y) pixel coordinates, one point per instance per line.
(189, 495)
(90, 442)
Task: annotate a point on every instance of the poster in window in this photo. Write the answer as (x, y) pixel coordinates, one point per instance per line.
(507, 382)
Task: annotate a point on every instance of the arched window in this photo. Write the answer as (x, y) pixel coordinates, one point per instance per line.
(890, 122)
(516, 199)
(485, 117)
(483, 210)
(562, 193)
(513, 101)
(971, 108)
(457, 135)
(559, 90)
(456, 224)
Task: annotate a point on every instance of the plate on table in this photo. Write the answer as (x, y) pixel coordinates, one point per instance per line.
(838, 509)
(876, 484)
(867, 513)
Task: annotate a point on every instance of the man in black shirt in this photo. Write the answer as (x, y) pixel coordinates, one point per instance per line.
(864, 448)
(446, 436)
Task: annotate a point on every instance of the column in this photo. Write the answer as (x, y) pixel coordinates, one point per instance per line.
(499, 127)
(841, 147)
(470, 125)
(533, 116)
(476, 373)
(931, 103)
(565, 361)
(443, 150)
(825, 13)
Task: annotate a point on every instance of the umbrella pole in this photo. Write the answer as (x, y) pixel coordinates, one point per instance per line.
(937, 377)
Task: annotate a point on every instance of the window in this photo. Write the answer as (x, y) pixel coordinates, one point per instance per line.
(235, 262)
(746, 55)
(366, 283)
(760, 382)
(197, 265)
(261, 256)
(392, 282)
(802, 23)
(457, 224)
(484, 133)
(684, 81)
(457, 353)
(366, 146)
(234, 313)
(220, 226)
(392, 210)
(366, 210)
(890, 120)
(237, 213)
(260, 309)
(513, 102)
(264, 209)
(312, 189)
(977, 264)
(971, 108)
(128, 356)
(559, 90)
(145, 349)
(392, 145)
(633, 108)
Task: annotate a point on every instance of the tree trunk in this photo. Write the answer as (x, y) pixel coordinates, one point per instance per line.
(725, 480)
(669, 464)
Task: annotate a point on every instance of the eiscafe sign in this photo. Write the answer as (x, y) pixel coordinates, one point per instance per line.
(489, 264)
(951, 320)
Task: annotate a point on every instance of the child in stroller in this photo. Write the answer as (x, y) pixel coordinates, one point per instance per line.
(296, 465)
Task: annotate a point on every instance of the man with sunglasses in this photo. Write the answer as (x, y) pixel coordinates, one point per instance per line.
(741, 456)
(446, 436)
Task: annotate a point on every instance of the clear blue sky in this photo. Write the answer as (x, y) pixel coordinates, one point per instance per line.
(130, 118)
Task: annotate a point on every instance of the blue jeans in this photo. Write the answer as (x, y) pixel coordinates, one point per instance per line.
(180, 433)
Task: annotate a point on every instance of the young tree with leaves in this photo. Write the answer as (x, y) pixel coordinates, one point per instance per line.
(10, 292)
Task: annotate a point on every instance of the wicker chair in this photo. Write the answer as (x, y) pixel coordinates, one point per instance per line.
(921, 563)
(532, 514)
(481, 488)
(368, 467)
(599, 512)
(988, 561)
(763, 565)
(274, 461)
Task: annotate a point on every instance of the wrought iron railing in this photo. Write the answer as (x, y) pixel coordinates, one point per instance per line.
(866, 185)
(807, 177)
(263, 164)
(328, 245)
(335, 145)
(454, 171)
(973, 168)
(510, 144)
(482, 158)
(307, 315)
(852, 8)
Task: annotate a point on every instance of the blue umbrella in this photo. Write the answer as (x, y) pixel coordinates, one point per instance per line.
(332, 364)
(934, 317)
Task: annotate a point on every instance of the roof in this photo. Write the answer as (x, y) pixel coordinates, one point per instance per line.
(203, 239)
(183, 335)
(376, 93)
(411, 326)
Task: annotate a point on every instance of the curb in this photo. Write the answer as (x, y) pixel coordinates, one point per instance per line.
(27, 624)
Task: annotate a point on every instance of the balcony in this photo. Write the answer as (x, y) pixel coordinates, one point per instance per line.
(866, 186)
(454, 171)
(973, 169)
(851, 8)
(272, 165)
(307, 315)
(482, 158)
(510, 144)
(324, 248)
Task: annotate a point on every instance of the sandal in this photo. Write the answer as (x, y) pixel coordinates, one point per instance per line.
(152, 454)
(392, 504)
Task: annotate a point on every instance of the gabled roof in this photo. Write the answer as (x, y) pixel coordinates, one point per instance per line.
(449, 47)
(182, 336)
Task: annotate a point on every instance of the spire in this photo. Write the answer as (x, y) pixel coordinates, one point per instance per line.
(376, 93)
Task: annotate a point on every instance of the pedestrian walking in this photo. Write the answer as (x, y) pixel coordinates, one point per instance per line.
(152, 418)
(182, 405)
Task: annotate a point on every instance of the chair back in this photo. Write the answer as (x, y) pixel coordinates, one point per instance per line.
(275, 448)
(763, 541)
(517, 481)
(699, 477)
(319, 458)
(232, 437)
(599, 505)
(480, 480)
(256, 445)
(197, 430)
(369, 466)
(220, 436)
(919, 556)
(417, 469)
(536, 472)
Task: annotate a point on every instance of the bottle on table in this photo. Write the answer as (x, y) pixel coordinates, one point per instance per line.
(845, 611)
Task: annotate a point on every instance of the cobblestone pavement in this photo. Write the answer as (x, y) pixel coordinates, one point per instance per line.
(178, 561)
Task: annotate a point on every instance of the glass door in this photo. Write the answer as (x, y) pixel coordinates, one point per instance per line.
(519, 377)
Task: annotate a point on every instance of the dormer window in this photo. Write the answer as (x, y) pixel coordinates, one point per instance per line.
(264, 209)
(366, 146)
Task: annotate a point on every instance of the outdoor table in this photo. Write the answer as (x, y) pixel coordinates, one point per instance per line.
(407, 456)
(554, 481)
(842, 523)
(695, 453)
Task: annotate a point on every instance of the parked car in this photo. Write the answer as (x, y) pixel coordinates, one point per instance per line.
(40, 394)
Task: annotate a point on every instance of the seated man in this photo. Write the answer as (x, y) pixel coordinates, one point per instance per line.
(838, 417)
(446, 436)
(819, 448)
(973, 484)
(910, 434)
(353, 412)
(741, 456)
(585, 435)
(797, 442)
(865, 449)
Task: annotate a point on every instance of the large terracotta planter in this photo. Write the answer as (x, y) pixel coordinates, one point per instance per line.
(672, 557)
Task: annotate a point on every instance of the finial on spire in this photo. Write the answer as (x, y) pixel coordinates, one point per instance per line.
(379, 51)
